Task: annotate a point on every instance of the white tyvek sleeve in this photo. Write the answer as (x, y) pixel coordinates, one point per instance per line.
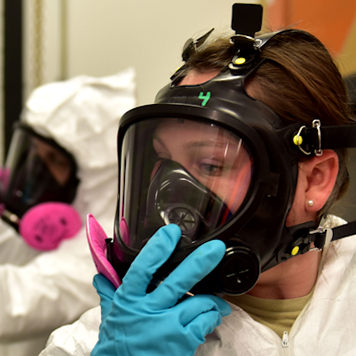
(76, 339)
(12, 247)
(51, 290)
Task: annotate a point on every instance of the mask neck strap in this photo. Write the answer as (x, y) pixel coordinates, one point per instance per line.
(318, 237)
(344, 231)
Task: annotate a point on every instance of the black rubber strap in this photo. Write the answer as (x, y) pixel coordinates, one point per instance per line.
(338, 136)
(344, 231)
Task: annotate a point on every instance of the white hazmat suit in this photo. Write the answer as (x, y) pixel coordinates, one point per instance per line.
(325, 327)
(40, 291)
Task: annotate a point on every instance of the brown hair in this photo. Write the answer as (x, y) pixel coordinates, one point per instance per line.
(298, 80)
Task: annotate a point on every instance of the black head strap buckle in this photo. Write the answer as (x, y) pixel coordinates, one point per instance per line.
(308, 139)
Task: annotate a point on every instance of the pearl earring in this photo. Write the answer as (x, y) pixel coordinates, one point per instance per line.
(310, 203)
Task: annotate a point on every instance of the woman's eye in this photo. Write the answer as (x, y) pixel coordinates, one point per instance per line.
(211, 169)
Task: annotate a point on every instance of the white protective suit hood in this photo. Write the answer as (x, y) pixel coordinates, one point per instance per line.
(94, 106)
(43, 290)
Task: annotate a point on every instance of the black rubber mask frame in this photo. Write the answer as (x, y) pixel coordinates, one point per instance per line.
(255, 232)
(256, 236)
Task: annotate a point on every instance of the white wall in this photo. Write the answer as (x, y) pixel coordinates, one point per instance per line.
(105, 36)
(148, 35)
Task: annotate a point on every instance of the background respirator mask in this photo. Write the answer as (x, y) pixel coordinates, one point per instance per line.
(37, 170)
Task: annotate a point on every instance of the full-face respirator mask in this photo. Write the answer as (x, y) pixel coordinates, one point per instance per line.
(221, 165)
(38, 184)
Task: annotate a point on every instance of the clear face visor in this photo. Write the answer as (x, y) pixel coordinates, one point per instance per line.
(194, 174)
(36, 171)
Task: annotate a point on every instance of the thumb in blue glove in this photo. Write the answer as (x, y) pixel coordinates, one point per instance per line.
(106, 292)
(141, 323)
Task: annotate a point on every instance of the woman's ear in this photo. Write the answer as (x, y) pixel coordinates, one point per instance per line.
(320, 173)
(316, 180)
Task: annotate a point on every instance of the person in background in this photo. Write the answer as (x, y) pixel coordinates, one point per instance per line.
(61, 165)
(244, 158)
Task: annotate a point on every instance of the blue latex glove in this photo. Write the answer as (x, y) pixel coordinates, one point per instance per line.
(106, 291)
(152, 324)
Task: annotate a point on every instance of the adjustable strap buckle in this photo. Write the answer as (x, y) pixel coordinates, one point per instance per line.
(308, 140)
(317, 237)
(320, 236)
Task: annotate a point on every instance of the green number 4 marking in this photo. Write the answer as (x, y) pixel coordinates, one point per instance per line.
(205, 97)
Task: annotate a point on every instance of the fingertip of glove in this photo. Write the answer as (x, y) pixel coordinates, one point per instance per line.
(218, 244)
(218, 247)
(226, 309)
(172, 229)
(100, 280)
(172, 232)
(223, 306)
(97, 278)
